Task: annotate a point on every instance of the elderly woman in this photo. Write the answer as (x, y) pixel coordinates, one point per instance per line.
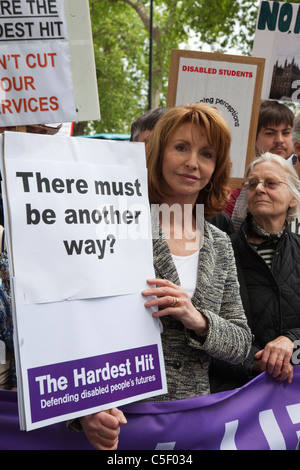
(268, 261)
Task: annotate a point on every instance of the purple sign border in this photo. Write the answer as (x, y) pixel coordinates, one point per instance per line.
(68, 387)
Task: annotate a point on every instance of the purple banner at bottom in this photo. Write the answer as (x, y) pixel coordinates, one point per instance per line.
(262, 415)
(68, 387)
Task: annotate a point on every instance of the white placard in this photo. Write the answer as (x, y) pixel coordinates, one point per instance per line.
(38, 78)
(277, 40)
(229, 88)
(68, 212)
(229, 83)
(84, 340)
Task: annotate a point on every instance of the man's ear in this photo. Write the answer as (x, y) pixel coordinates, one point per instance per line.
(297, 147)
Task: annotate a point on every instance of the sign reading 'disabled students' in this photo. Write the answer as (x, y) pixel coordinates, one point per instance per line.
(232, 84)
(78, 230)
(277, 40)
(45, 47)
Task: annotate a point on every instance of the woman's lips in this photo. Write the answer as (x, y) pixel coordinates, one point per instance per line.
(262, 201)
(188, 177)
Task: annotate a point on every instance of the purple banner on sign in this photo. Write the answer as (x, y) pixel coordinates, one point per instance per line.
(68, 387)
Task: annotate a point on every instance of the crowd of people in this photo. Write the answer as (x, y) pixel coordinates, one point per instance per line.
(240, 280)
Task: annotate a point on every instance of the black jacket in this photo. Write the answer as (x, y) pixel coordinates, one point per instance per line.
(271, 299)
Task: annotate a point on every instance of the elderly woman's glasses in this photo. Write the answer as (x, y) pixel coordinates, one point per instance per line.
(268, 183)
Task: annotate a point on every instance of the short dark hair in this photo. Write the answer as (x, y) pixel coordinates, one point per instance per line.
(145, 122)
(272, 113)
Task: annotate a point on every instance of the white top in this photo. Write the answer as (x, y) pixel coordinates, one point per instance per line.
(187, 268)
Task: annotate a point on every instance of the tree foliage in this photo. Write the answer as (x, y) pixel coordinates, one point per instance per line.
(121, 63)
(121, 36)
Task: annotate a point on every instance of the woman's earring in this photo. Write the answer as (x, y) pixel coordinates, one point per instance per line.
(208, 189)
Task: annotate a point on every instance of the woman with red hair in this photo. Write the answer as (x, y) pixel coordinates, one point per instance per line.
(195, 294)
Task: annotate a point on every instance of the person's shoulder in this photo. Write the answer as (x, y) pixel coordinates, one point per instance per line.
(215, 232)
(223, 222)
(294, 237)
(290, 244)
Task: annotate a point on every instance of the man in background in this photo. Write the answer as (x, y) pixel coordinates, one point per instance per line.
(274, 129)
(142, 127)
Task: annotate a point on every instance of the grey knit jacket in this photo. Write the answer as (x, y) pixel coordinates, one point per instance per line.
(186, 355)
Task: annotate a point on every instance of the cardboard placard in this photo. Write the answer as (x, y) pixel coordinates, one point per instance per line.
(230, 83)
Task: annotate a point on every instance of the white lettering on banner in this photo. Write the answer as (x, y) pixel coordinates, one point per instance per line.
(271, 430)
(52, 383)
(59, 401)
(145, 362)
(107, 372)
(294, 414)
(228, 441)
(269, 427)
(165, 445)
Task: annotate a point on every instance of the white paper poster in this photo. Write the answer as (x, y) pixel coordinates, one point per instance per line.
(37, 71)
(277, 40)
(227, 86)
(78, 228)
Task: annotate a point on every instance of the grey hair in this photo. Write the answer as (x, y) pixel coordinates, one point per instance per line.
(296, 129)
(292, 179)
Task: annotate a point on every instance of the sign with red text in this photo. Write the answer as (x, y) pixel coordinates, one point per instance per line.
(38, 82)
(232, 84)
(277, 40)
(84, 341)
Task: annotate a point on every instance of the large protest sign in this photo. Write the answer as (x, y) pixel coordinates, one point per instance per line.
(78, 230)
(232, 84)
(40, 49)
(91, 218)
(277, 40)
(262, 415)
